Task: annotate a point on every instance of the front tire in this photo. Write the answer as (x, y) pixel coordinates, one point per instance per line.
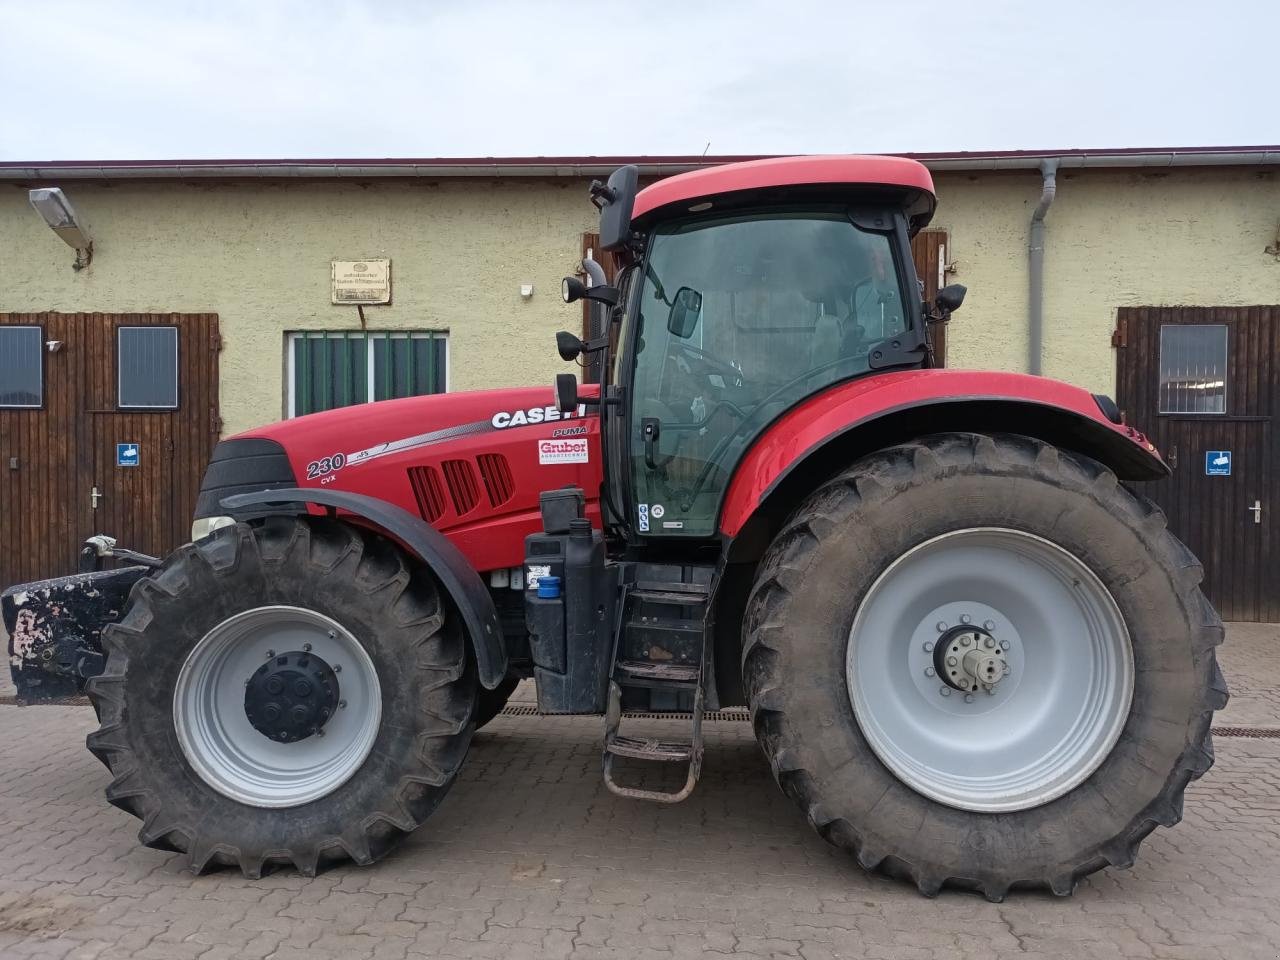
(1088, 716)
(291, 692)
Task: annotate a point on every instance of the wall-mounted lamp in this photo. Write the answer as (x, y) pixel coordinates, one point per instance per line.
(526, 290)
(52, 204)
(53, 346)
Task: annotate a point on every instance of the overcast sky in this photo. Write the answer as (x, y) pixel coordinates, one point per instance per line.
(127, 79)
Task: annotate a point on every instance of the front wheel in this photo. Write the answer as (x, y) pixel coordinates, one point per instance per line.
(980, 661)
(293, 692)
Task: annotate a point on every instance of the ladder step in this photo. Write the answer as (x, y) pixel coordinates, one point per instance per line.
(671, 586)
(645, 748)
(669, 597)
(659, 672)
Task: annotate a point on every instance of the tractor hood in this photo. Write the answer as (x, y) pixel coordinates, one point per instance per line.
(470, 464)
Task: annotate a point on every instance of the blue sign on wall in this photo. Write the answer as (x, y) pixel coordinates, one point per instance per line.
(1217, 463)
(126, 454)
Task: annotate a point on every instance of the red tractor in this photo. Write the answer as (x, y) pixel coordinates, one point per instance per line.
(971, 654)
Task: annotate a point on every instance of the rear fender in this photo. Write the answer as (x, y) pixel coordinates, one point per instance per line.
(456, 575)
(840, 425)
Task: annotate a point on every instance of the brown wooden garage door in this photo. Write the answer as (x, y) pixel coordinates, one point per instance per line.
(1203, 383)
(74, 387)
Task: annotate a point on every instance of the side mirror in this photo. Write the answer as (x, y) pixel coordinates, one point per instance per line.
(686, 308)
(950, 297)
(566, 392)
(615, 201)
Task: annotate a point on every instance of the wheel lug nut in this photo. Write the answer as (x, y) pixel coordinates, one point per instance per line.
(332, 634)
(968, 698)
(989, 643)
(337, 668)
(299, 714)
(952, 661)
(965, 618)
(306, 648)
(271, 711)
(928, 646)
(928, 671)
(275, 685)
(964, 641)
(945, 691)
(941, 625)
(1004, 644)
(302, 688)
(1006, 669)
(270, 654)
(342, 704)
(988, 624)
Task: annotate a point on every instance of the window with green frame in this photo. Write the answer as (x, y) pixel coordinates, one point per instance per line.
(338, 368)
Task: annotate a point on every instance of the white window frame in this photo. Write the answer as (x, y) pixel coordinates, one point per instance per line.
(292, 336)
(40, 352)
(177, 370)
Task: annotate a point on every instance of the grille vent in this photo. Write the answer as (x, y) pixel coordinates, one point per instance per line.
(496, 473)
(460, 477)
(428, 491)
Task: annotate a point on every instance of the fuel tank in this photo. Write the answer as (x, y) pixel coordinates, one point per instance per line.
(470, 464)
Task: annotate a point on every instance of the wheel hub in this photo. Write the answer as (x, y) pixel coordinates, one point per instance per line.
(967, 658)
(291, 696)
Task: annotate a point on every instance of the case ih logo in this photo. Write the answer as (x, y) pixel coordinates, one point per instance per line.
(563, 451)
(522, 418)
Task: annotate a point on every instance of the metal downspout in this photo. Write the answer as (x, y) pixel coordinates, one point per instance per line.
(1035, 253)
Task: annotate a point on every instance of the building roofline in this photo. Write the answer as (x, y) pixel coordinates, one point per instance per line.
(335, 168)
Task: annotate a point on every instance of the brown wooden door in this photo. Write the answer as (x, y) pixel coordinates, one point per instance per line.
(44, 505)
(929, 251)
(1202, 382)
(68, 449)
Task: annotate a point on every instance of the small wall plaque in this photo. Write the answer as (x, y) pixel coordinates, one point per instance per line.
(361, 281)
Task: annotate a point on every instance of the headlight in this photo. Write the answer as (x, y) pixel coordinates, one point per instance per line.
(206, 525)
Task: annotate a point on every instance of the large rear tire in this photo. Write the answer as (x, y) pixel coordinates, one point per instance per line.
(1094, 675)
(288, 693)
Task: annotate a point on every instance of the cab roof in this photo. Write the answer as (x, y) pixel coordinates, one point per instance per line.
(780, 177)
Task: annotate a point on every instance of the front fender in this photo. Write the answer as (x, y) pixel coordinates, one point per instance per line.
(456, 575)
(847, 421)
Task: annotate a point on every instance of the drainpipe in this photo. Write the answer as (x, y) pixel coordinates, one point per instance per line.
(1035, 253)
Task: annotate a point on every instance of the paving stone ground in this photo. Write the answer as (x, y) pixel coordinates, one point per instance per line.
(529, 857)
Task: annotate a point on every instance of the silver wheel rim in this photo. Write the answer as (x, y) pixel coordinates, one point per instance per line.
(224, 748)
(1047, 723)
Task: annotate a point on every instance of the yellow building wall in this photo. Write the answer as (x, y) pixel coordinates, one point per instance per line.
(1179, 236)
(258, 255)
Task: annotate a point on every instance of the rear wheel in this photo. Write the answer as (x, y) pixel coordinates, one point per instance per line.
(981, 661)
(292, 692)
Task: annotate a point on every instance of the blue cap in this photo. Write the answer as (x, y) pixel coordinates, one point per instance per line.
(548, 587)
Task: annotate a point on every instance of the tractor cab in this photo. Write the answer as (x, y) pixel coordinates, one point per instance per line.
(743, 291)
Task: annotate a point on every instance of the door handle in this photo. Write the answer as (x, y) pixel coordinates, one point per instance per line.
(1257, 511)
(94, 497)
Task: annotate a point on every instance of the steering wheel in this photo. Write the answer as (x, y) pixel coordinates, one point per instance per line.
(730, 374)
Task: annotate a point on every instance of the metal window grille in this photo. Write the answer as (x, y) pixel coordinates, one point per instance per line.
(21, 367)
(329, 369)
(1193, 368)
(147, 368)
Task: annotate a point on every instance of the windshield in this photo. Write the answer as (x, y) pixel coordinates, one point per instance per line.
(739, 318)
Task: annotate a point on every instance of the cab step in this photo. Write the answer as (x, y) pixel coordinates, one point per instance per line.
(648, 748)
(649, 673)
